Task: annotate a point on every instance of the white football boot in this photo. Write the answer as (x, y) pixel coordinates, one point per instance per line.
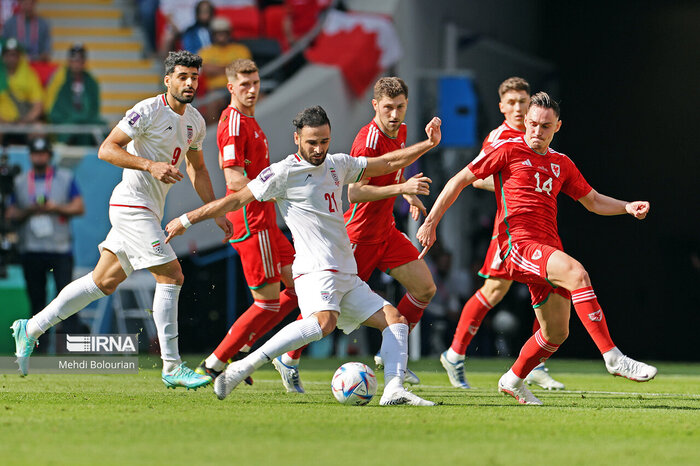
(518, 391)
(540, 376)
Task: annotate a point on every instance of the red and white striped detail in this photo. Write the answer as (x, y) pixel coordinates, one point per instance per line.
(165, 102)
(583, 295)
(266, 253)
(372, 137)
(415, 302)
(484, 302)
(234, 123)
(523, 263)
(272, 305)
(544, 344)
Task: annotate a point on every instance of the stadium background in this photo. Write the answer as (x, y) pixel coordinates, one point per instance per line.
(626, 75)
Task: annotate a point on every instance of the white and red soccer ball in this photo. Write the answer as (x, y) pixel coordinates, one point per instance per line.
(354, 383)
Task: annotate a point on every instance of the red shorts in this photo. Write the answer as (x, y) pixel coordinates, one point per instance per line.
(526, 262)
(395, 251)
(263, 255)
(493, 265)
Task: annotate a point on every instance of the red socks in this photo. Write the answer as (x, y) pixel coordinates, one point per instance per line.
(288, 302)
(473, 313)
(411, 309)
(592, 317)
(246, 327)
(535, 351)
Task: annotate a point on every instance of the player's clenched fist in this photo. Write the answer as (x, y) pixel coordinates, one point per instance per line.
(432, 129)
(165, 172)
(638, 209)
(426, 237)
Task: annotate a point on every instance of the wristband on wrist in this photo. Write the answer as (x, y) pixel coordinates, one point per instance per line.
(185, 221)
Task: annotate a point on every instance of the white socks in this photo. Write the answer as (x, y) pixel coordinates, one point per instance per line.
(212, 362)
(394, 352)
(293, 336)
(612, 356)
(453, 356)
(289, 361)
(72, 298)
(165, 317)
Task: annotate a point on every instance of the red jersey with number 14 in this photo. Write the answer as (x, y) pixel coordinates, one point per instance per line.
(527, 185)
(242, 143)
(370, 222)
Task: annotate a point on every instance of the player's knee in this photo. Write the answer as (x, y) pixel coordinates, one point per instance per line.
(108, 285)
(426, 292)
(556, 335)
(327, 321)
(579, 276)
(495, 290)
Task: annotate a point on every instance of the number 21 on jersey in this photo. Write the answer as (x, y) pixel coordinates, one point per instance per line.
(544, 187)
(332, 206)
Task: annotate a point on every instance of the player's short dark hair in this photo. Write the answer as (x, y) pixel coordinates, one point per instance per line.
(390, 87)
(242, 66)
(181, 58)
(313, 117)
(543, 100)
(513, 83)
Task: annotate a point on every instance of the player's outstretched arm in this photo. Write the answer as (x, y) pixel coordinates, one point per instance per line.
(427, 232)
(213, 209)
(199, 176)
(606, 205)
(487, 184)
(111, 151)
(392, 161)
(362, 191)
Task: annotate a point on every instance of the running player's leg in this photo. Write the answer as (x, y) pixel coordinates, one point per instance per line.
(565, 271)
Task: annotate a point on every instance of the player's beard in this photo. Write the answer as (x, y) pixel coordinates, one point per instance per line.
(307, 157)
(182, 99)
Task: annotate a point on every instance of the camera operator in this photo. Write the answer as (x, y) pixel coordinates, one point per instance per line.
(44, 199)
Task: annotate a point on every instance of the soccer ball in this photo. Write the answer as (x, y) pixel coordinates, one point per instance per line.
(354, 383)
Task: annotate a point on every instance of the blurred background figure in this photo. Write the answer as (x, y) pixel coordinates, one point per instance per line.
(198, 35)
(222, 51)
(21, 93)
(73, 97)
(31, 30)
(44, 200)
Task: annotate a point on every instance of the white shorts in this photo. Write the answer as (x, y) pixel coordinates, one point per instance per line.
(341, 292)
(137, 239)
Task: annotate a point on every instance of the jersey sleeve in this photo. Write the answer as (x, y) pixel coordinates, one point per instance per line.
(353, 167)
(489, 161)
(198, 141)
(575, 185)
(232, 147)
(270, 183)
(135, 121)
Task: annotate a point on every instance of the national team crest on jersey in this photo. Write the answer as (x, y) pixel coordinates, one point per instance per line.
(536, 255)
(133, 118)
(157, 247)
(326, 296)
(335, 177)
(190, 134)
(556, 169)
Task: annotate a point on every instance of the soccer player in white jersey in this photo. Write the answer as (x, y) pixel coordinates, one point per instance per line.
(157, 133)
(307, 187)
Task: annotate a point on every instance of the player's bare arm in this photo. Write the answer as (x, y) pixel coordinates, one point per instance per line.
(426, 233)
(364, 192)
(112, 151)
(199, 176)
(487, 184)
(392, 161)
(235, 178)
(213, 209)
(606, 205)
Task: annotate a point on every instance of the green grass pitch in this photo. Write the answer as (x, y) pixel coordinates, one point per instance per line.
(113, 419)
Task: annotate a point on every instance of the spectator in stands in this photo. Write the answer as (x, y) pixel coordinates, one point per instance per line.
(73, 97)
(44, 199)
(178, 16)
(31, 30)
(198, 36)
(21, 93)
(220, 53)
(147, 10)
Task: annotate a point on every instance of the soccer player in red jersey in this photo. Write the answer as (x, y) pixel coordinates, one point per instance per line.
(514, 96)
(529, 175)
(369, 220)
(266, 254)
